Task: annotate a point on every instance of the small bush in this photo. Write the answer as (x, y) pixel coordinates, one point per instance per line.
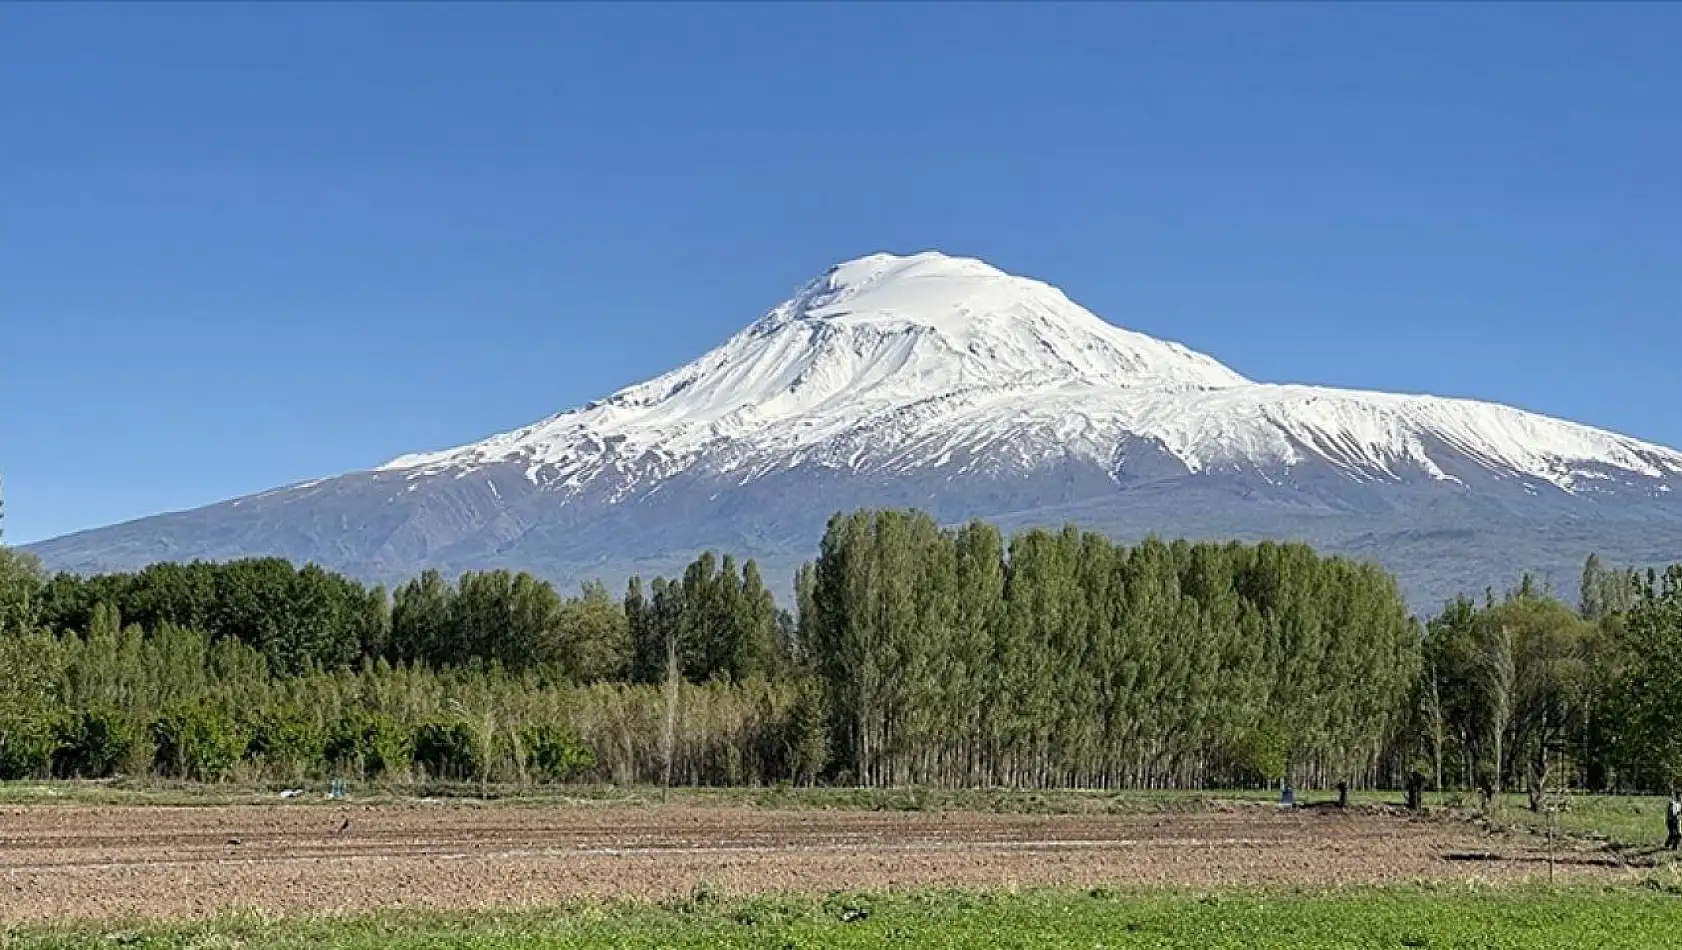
(27, 741)
(1261, 754)
(93, 743)
(554, 754)
(448, 748)
(371, 743)
(197, 742)
(288, 739)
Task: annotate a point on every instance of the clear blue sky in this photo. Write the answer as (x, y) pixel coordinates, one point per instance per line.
(244, 245)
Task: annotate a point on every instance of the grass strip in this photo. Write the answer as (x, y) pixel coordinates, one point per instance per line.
(1638, 918)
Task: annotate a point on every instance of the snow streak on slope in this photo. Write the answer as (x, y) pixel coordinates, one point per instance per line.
(894, 363)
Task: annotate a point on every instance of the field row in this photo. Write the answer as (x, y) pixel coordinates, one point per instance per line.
(294, 858)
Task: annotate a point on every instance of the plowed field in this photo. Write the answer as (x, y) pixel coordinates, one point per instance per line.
(64, 862)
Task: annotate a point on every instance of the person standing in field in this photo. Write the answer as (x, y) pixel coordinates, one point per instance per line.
(1672, 819)
(1416, 790)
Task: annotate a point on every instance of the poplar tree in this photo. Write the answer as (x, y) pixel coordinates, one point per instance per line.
(648, 647)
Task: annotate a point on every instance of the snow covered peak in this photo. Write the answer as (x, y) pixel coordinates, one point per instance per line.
(892, 363)
(878, 335)
(991, 322)
(850, 278)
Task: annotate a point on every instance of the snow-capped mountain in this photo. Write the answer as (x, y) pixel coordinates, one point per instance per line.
(945, 383)
(892, 363)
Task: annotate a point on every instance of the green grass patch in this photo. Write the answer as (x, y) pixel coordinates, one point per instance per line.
(1648, 918)
(1621, 821)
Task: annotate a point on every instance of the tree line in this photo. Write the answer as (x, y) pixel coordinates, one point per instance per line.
(914, 654)
(1062, 658)
(721, 618)
(257, 668)
(175, 703)
(1527, 692)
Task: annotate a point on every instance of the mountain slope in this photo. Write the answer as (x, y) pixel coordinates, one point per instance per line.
(945, 383)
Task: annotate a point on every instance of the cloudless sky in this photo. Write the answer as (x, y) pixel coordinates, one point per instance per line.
(245, 245)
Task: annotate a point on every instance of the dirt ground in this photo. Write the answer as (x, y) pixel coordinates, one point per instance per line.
(68, 862)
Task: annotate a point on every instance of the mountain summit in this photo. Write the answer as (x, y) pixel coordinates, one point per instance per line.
(945, 383)
(901, 362)
(882, 337)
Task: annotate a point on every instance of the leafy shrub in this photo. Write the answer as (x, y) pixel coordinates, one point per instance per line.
(26, 744)
(554, 754)
(287, 737)
(93, 743)
(448, 748)
(198, 742)
(372, 743)
(1261, 754)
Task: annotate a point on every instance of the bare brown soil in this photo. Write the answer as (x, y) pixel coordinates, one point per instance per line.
(59, 863)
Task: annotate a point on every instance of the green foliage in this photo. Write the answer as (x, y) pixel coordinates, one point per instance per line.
(422, 614)
(553, 753)
(1067, 659)
(594, 642)
(1526, 692)
(448, 747)
(30, 664)
(647, 648)
(1607, 592)
(21, 583)
(370, 743)
(93, 743)
(1262, 752)
(807, 735)
(514, 620)
(360, 722)
(919, 655)
(721, 620)
(1645, 695)
(297, 618)
(27, 742)
(197, 741)
(1497, 919)
(288, 738)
